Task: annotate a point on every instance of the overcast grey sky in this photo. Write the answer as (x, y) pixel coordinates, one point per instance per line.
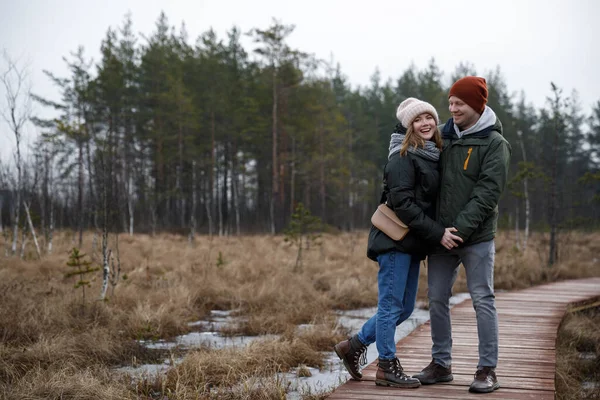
(532, 41)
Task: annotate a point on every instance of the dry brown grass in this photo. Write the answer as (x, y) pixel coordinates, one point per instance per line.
(244, 373)
(204, 369)
(66, 382)
(46, 338)
(578, 355)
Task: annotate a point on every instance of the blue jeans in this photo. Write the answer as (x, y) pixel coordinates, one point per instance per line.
(478, 260)
(397, 282)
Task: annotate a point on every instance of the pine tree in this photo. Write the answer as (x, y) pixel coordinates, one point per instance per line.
(80, 267)
(282, 62)
(593, 136)
(72, 129)
(557, 137)
(302, 232)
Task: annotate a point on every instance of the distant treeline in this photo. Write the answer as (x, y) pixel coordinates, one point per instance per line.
(165, 133)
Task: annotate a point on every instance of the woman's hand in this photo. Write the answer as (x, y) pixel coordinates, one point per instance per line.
(449, 240)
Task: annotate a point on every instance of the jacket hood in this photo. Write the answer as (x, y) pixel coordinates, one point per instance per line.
(487, 123)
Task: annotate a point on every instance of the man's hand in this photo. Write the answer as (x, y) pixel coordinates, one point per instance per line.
(449, 240)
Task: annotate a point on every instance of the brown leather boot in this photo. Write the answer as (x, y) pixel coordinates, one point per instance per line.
(485, 381)
(434, 373)
(354, 354)
(391, 373)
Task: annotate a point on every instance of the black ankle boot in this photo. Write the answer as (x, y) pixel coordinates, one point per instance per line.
(390, 373)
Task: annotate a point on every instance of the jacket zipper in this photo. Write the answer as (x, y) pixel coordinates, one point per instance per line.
(468, 156)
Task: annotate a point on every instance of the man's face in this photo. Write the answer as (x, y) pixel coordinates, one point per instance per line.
(464, 116)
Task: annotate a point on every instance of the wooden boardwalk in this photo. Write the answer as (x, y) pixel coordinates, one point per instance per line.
(528, 325)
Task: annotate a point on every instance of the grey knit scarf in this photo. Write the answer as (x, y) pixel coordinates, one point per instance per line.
(430, 152)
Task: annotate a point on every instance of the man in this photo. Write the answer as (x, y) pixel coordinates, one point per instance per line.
(474, 164)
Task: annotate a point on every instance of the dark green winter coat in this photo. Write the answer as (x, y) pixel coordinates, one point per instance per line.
(411, 185)
(474, 171)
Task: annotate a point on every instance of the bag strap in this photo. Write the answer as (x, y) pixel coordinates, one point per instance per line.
(384, 193)
(384, 197)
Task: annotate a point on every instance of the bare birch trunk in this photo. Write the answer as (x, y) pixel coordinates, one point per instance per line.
(293, 177)
(23, 240)
(35, 241)
(15, 82)
(129, 190)
(130, 207)
(350, 213)
(208, 206)
(178, 178)
(115, 272)
(45, 196)
(105, 264)
(6, 244)
(525, 194)
(212, 172)
(553, 253)
(225, 190)
(80, 195)
(322, 189)
(236, 197)
(17, 205)
(50, 228)
(192, 235)
(105, 251)
(275, 168)
(93, 208)
(219, 202)
(153, 218)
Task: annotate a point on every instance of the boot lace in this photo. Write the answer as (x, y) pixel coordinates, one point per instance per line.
(362, 357)
(397, 368)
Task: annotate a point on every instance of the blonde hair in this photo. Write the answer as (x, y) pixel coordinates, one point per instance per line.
(413, 139)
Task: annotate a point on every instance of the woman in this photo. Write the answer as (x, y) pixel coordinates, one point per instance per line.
(410, 181)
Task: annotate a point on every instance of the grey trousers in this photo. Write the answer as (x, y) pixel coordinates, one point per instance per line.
(478, 260)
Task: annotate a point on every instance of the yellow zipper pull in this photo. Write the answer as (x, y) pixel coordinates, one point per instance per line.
(468, 156)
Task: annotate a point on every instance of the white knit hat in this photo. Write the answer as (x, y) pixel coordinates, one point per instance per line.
(410, 108)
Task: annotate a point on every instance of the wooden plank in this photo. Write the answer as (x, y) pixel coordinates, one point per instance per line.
(514, 382)
(542, 297)
(508, 335)
(456, 332)
(419, 347)
(464, 337)
(528, 325)
(472, 360)
(504, 370)
(462, 344)
(503, 344)
(368, 390)
(532, 357)
(516, 317)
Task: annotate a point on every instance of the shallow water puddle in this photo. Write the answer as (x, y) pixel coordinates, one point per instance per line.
(329, 377)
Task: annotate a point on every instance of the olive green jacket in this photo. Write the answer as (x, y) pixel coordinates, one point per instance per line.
(474, 171)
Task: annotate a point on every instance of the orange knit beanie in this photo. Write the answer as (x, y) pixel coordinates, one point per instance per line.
(472, 90)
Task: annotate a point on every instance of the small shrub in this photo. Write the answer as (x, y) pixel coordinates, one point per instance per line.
(303, 231)
(220, 260)
(80, 267)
